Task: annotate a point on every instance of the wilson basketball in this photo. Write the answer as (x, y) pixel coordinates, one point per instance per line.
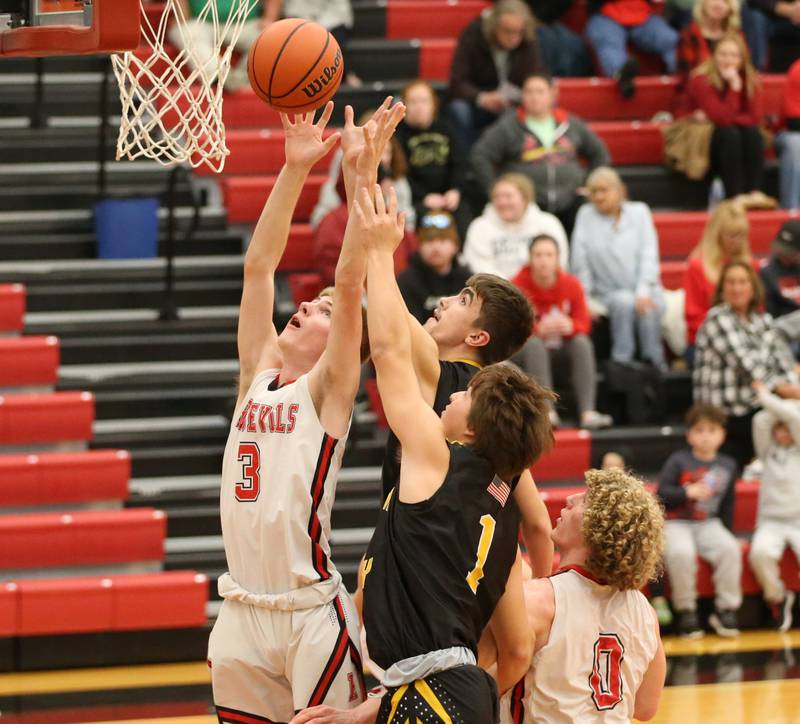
(295, 65)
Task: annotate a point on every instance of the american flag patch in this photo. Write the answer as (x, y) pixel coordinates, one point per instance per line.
(499, 490)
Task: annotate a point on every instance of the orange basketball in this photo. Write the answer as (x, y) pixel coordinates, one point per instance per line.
(295, 65)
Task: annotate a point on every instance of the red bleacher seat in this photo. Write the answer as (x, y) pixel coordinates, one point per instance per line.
(436, 57)
(82, 538)
(60, 478)
(12, 307)
(679, 231)
(46, 418)
(672, 274)
(305, 286)
(29, 361)
(568, 459)
(631, 142)
(176, 599)
(245, 196)
(415, 18)
(8, 609)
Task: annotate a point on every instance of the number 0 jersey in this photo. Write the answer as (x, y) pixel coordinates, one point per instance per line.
(435, 570)
(601, 643)
(278, 485)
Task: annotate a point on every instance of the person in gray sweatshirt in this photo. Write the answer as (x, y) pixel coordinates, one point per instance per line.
(776, 438)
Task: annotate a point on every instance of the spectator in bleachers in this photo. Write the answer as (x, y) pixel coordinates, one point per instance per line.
(564, 52)
(199, 35)
(547, 144)
(494, 55)
(767, 21)
(781, 274)
(788, 141)
(725, 238)
(725, 90)
(436, 162)
(713, 19)
(697, 488)
(561, 330)
(736, 346)
(433, 270)
(776, 437)
(615, 256)
(498, 240)
(613, 23)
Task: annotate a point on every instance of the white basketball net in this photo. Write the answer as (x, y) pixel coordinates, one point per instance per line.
(172, 107)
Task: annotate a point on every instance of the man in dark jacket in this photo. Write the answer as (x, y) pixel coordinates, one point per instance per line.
(544, 143)
(494, 55)
(433, 271)
(781, 275)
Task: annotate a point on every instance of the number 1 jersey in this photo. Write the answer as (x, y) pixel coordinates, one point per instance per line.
(278, 485)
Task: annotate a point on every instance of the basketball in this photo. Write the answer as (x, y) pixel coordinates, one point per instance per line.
(295, 65)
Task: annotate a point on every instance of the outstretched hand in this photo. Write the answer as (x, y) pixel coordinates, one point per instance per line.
(325, 715)
(304, 144)
(377, 133)
(380, 228)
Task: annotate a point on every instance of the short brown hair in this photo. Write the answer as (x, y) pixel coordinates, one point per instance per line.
(510, 418)
(758, 288)
(623, 529)
(704, 412)
(364, 349)
(506, 315)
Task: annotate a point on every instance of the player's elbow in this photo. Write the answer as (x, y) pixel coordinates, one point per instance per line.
(646, 708)
(513, 662)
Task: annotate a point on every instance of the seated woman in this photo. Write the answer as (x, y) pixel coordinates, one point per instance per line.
(725, 239)
(436, 162)
(726, 91)
(615, 256)
(736, 346)
(561, 330)
(498, 240)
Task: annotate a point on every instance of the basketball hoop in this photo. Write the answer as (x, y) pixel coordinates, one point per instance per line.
(172, 106)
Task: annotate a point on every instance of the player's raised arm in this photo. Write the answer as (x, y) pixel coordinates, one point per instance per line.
(536, 525)
(420, 431)
(257, 337)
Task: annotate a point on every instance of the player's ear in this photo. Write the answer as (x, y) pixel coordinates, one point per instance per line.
(477, 338)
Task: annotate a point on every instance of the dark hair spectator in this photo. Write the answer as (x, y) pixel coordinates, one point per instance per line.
(495, 53)
(781, 274)
(545, 143)
(736, 346)
(612, 23)
(788, 141)
(725, 90)
(615, 256)
(498, 240)
(725, 238)
(560, 337)
(433, 270)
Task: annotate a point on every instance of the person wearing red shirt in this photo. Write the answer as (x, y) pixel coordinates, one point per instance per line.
(725, 90)
(560, 330)
(725, 238)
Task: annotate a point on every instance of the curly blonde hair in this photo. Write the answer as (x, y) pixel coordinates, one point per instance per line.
(623, 528)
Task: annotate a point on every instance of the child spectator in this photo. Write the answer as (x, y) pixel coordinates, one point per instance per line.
(726, 91)
(613, 22)
(545, 143)
(697, 489)
(776, 434)
(433, 270)
(725, 238)
(561, 329)
(788, 141)
(613, 461)
(499, 239)
(781, 274)
(615, 256)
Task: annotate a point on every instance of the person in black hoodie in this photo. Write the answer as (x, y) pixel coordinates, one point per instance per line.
(433, 271)
(781, 275)
(436, 162)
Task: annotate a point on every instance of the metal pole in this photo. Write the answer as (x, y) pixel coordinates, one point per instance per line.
(103, 133)
(169, 311)
(37, 114)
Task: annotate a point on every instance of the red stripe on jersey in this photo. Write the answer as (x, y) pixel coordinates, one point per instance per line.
(234, 716)
(318, 558)
(517, 702)
(336, 659)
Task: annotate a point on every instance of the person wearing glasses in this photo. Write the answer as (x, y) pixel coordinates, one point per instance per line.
(434, 270)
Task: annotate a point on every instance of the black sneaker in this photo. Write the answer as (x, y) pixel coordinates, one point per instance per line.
(781, 613)
(724, 622)
(626, 78)
(688, 625)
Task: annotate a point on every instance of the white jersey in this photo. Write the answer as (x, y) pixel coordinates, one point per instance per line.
(601, 643)
(278, 485)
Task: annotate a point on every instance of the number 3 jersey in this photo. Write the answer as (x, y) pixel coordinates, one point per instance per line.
(601, 643)
(278, 485)
(435, 570)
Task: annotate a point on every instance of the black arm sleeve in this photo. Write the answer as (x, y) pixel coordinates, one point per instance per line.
(670, 489)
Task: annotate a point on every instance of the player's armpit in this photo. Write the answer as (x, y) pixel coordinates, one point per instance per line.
(536, 525)
(648, 695)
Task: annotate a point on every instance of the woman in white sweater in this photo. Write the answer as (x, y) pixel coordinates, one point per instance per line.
(498, 241)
